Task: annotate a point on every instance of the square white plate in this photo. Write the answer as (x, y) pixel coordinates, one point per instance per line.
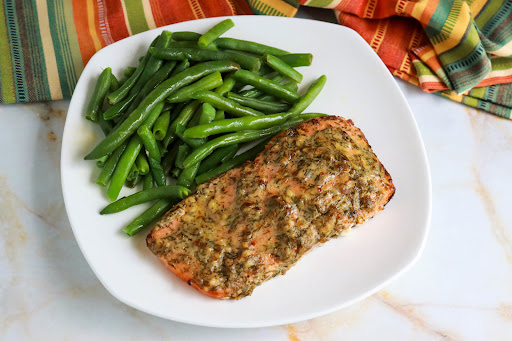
(334, 275)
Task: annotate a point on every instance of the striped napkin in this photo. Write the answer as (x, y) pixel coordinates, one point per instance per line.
(456, 49)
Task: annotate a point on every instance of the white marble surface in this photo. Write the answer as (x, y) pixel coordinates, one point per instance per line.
(460, 289)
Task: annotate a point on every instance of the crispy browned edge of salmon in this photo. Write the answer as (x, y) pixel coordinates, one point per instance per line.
(220, 294)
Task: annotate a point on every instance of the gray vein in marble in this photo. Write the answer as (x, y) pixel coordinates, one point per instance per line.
(498, 227)
(394, 304)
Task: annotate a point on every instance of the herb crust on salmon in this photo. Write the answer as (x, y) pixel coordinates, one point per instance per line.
(254, 222)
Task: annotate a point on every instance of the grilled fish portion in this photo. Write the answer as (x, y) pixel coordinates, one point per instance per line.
(256, 221)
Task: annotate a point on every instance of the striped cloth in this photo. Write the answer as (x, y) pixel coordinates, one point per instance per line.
(456, 49)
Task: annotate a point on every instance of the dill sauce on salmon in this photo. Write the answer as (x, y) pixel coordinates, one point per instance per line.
(256, 221)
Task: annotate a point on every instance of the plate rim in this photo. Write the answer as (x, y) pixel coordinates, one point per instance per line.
(403, 268)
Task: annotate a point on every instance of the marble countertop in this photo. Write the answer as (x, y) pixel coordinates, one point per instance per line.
(460, 289)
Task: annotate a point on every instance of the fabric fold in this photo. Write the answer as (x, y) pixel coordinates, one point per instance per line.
(458, 49)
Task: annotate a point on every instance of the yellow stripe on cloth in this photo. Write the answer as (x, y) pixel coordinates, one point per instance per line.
(49, 53)
(378, 38)
(125, 16)
(280, 6)
(148, 14)
(92, 27)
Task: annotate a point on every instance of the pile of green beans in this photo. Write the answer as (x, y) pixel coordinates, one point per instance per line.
(186, 112)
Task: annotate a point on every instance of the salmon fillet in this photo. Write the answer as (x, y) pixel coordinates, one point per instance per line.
(256, 221)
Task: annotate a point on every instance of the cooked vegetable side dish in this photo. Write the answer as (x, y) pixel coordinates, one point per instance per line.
(184, 126)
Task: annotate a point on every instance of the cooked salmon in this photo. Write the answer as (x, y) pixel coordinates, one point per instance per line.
(254, 222)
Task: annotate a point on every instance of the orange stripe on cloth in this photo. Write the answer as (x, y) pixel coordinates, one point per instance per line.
(175, 11)
(196, 9)
(157, 13)
(94, 23)
(218, 8)
(85, 40)
(371, 9)
(116, 20)
(103, 22)
(241, 7)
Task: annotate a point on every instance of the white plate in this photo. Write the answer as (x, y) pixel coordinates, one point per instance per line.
(333, 276)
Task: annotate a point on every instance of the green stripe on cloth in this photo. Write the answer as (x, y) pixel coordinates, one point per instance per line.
(319, 3)
(63, 56)
(13, 33)
(6, 78)
(35, 54)
(74, 48)
(136, 17)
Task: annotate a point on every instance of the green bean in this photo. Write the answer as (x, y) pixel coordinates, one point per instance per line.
(183, 118)
(264, 70)
(149, 216)
(292, 86)
(263, 106)
(203, 116)
(137, 117)
(132, 183)
(156, 79)
(215, 32)
(183, 151)
(98, 95)
(161, 148)
(251, 93)
(182, 66)
(310, 95)
(206, 83)
(225, 104)
(169, 159)
(194, 143)
(148, 182)
(245, 136)
(114, 83)
(158, 172)
(156, 193)
(124, 89)
(207, 114)
(268, 86)
(200, 55)
(236, 124)
(117, 109)
(184, 36)
(195, 118)
(283, 68)
(187, 175)
(110, 165)
(161, 126)
(297, 59)
(106, 126)
(227, 85)
(149, 142)
(123, 167)
(218, 156)
(193, 44)
(175, 172)
(134, 172)
(129, 155)
(100, 163)
(154, 63)
(129, 71)
(168, 107)
(219, 115)
(171, 135)
(247, 46)
(234, 162)
(142, 164)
